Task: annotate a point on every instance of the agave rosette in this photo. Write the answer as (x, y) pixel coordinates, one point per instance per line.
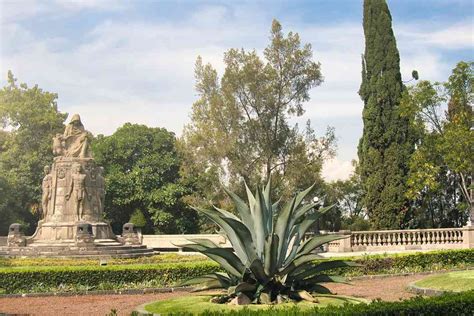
(271, 260)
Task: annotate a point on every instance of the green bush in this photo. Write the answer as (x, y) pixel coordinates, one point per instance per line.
(26, 275)
(27, 279)
(161, 258)
(448, 304)
(409, 263)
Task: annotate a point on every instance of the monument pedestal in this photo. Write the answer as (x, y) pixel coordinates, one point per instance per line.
(73, 204)
(67, 232)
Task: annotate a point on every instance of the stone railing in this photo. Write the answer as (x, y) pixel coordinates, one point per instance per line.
(367, 241)
(408, 239)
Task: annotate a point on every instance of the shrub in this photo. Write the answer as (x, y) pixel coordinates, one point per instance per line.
(448, 304)
(166, 269)
(270, 260)
(161, 258)
(16, 280)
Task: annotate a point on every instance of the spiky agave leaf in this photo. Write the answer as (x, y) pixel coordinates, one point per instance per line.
(215, 280)
(269, 257)
(225, 258)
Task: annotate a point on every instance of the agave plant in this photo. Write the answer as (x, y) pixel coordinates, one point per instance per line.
(271, 260)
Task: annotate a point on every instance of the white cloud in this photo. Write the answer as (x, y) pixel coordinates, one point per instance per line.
(143, 71)
(336, 169)
(456, 36)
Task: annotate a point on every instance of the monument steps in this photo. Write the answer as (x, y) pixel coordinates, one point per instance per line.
(78, 252)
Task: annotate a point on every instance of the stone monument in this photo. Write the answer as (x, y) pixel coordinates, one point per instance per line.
(72, 206)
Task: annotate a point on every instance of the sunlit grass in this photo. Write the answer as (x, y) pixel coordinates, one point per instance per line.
(199, 303)
(453, 281)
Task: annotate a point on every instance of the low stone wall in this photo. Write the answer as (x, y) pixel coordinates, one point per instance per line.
(3, 241)
(173, 242)
(409, 239)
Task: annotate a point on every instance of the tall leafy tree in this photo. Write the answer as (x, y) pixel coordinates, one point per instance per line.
(240, 127)
(141, 167)
(442, 167)
(29, 118)
(386, 144)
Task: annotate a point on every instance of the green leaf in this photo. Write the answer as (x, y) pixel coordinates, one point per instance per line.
(311, 269)
(271, 254)
(219, 218)
(281, 229)
(245, 287)
(259, 271)
(259, 223)
(299, 262)
(317, 241)
(244, 238)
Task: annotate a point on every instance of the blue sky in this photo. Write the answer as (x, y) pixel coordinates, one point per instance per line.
(132, 61)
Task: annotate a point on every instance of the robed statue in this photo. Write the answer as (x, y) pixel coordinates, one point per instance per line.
(74, 142)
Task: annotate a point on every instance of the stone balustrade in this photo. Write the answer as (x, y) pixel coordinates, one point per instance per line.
(382, 240)
(408, 239)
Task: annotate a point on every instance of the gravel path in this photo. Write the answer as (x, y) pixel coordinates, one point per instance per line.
(389, 289)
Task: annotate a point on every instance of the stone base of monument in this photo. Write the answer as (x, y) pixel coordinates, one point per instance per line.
(75, 240)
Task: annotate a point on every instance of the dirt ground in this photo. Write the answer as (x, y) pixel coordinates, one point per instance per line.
(389, 289)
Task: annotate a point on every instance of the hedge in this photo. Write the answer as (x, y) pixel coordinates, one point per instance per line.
(417, 262)
(161, 258)
(448, 304)
(14, 280)
(46, 279)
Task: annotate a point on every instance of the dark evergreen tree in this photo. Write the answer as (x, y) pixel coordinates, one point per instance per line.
(385, 146)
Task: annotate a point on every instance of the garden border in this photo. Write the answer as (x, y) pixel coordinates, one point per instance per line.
(425, 291)
(189, 289)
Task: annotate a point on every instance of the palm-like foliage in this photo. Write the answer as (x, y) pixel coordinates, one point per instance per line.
(271, 260)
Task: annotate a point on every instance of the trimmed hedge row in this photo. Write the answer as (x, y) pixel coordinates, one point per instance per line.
(43, 279)
(14, 280)
(418, 262)
(161, 258)
(448, 304)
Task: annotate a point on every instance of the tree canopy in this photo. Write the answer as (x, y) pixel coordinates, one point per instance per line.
(240, 126)
(386, 143)
(141, 167)
(442, 166)
(29, 119)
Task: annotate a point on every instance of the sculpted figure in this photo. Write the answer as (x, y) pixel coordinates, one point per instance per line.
(100, 188)
(58, 145)
(47, 190)
(76, 139)
(78, 190)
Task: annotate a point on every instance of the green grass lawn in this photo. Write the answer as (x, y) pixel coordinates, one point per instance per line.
(200, 303)
(453, 281)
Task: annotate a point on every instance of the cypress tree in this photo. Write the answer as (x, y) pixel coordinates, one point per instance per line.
(385, 146)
